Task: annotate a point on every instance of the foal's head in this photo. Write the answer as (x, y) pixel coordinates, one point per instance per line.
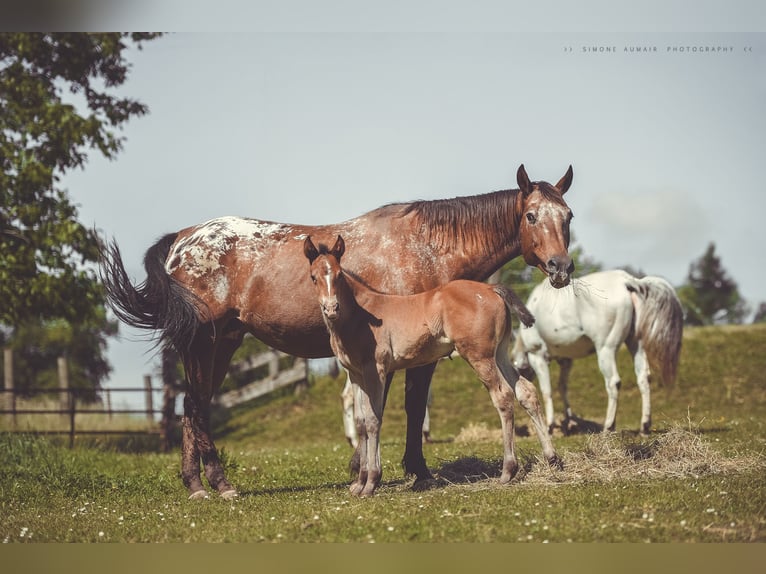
(326, 273)
(544, 231)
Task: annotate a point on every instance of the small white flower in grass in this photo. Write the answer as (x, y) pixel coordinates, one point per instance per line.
(24, 531)
(100, 533)
(710, 510)
(316, 517)
(390, 528)
(193, 525)
(683, 523)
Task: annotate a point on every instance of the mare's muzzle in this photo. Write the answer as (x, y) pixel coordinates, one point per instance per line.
(559, 271)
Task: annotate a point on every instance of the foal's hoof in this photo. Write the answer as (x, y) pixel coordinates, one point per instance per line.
(199, 495)
(229, 494)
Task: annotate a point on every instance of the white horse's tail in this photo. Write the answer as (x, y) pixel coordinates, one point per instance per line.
(658, 324)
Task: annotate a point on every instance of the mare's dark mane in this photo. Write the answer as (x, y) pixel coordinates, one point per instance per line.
(485, 220)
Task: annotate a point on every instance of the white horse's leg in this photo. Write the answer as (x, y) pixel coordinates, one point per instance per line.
(347, 399)
(360, 405)
(539, 365)
(607, 363)
(641, 367)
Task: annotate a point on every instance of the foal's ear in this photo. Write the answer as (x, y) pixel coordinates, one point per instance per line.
(339, 248)
(523, 180)
(309, 249)
(565, 181)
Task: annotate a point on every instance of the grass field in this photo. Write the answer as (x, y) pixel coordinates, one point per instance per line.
(698, 478)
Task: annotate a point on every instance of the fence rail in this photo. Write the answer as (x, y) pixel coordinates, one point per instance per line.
(276, 378)
(72, 409)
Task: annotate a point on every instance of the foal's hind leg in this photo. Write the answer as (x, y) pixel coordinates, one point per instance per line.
(502, 398)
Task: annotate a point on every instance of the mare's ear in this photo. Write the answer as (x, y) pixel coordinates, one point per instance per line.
(339, 248)
(522, 179)
(565, 181)
(309, 249)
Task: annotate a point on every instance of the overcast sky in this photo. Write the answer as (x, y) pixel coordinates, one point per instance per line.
(667, 144)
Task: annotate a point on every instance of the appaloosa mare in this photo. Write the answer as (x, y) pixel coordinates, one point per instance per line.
(598, 313)
(374, 335)
(209, 284)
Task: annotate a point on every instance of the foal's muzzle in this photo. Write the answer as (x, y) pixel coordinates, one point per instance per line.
(559, 271)
(330, 309)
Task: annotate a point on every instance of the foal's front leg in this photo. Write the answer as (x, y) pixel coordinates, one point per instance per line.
(371, 401)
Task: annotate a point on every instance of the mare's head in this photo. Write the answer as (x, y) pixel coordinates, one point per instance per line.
(544, 227)
(326, 272)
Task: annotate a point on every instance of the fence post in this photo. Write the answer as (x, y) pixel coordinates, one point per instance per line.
(10, 396)
(66, 400)
(149, 398)
(169, 392)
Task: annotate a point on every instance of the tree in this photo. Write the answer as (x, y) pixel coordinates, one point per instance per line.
(760, 314)
(56, 104)
(709, 295)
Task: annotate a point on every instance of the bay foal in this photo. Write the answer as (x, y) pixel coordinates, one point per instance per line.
(373, 335)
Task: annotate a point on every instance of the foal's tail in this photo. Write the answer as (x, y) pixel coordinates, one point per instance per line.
(159, 303)
(658, 324)
(515, 304)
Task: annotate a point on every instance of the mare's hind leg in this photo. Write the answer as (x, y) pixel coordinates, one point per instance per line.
(417, 383)
(205, 364)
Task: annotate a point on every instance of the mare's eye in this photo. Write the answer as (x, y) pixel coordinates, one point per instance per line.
(531, 217)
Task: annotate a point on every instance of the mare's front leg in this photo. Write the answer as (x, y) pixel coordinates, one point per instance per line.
(417, 383)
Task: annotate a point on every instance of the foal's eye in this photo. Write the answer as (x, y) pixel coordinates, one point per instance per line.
(531, 217)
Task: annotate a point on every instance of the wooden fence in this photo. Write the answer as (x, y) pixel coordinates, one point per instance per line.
(69, 406)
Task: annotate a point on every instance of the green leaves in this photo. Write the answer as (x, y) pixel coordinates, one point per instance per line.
(55, 106)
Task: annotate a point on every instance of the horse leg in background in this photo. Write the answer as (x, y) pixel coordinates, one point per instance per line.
(540, 366)
(427, 418)
(347, 400)
(607, 363)
(641, 367)
(416, 385)
(565, 368)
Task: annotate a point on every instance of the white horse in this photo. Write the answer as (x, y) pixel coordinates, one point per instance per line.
(598, 313)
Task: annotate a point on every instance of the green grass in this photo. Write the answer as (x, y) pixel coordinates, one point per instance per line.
(698, 478)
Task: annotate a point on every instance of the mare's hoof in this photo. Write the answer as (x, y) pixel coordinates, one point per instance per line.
(199, 495)
(423, 484)
(229, 494)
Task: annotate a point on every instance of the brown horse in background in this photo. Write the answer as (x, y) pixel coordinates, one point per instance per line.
(374, 335)
(210, 284)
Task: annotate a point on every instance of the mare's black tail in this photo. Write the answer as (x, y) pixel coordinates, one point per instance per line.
(159, 303)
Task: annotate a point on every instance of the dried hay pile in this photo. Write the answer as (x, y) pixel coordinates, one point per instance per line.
(606, 457)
